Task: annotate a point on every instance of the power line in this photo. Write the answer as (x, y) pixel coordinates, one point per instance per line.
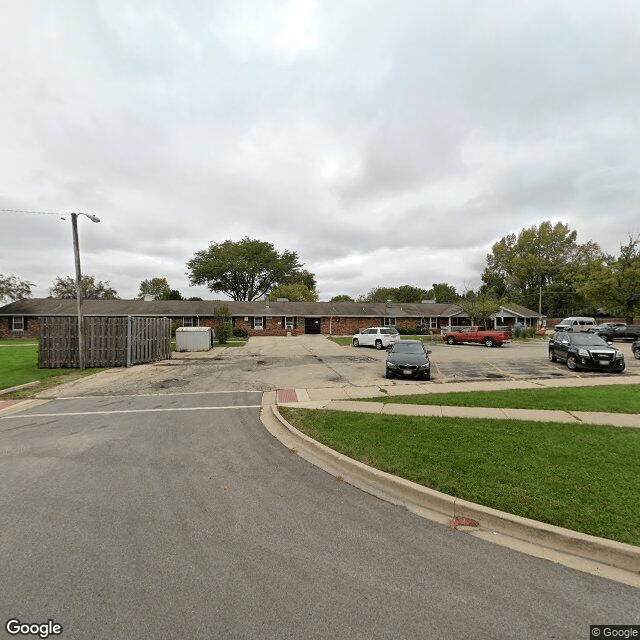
(42, 213)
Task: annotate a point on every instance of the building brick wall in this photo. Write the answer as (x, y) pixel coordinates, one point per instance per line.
(31, 329)
(272, 326)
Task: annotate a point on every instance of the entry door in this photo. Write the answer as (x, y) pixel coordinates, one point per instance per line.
(312, 325)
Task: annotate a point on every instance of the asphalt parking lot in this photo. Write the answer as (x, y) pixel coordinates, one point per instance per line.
(313, 361)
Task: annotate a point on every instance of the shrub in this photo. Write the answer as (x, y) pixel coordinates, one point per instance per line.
(524, 333)
(406, 331)
(224, 332)
(240, 333)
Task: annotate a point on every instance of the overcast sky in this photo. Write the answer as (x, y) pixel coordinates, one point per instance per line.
(387, 142)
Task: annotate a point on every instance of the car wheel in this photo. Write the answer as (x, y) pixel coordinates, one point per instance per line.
(572, 363)
(621, 368)
(451, 340)
(489, 342)
(355, 342)
(552, 357)
(428, 376)
(378, 344)
(388, 374)
(636, 353)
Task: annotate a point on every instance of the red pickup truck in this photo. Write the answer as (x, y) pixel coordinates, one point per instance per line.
(474, 334)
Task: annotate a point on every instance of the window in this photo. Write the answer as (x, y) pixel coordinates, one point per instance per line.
(288, 323)
(258, 323)
(388, 322)
(17, 323)
(190, 321)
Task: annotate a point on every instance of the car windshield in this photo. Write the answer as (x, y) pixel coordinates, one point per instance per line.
(407, 347)
(588, 340)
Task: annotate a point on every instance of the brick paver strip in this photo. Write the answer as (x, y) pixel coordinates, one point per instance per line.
(287, 395)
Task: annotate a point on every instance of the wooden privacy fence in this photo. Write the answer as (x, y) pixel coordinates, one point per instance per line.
(108, 341)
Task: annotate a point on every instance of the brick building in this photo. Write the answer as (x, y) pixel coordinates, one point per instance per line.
(20, 318)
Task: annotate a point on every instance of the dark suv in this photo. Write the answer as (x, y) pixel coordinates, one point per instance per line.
(619, 332)
(585, 351)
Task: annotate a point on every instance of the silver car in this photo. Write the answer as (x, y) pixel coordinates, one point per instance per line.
(378, 337)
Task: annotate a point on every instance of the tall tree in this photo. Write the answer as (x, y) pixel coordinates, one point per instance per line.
(442, 292)
(545, 258)
(615, 285)
(13, 288)
(295, 292)
(404, 293)
(157, 288)
(301, 276)
(91, 290)
(342, 298)
(479, 307)
(244, 270)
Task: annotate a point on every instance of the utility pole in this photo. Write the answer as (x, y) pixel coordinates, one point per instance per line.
(540, 302)
(76, 252)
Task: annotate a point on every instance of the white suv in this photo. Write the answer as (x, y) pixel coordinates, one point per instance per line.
(378, 337)
(576, 324)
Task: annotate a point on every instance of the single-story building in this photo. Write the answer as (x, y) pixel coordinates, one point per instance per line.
(264, 317)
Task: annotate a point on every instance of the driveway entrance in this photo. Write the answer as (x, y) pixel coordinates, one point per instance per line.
(269, 363)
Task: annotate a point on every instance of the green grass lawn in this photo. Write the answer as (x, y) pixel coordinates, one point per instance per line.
(581, 477)
(19, 365)
(608, 398)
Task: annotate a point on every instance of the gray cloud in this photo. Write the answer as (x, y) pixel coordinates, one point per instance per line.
(387, 143)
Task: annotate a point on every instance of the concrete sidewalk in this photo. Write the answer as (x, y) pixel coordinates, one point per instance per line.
(345, 399)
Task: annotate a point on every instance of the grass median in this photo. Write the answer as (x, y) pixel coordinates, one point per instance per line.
(581, 477)
(19, 365)
(608, 398)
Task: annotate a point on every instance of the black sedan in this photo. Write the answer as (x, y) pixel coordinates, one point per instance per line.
(585, 351)
(635, 347)
(409, 359)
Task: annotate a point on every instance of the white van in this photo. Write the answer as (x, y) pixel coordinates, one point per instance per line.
(575, 324)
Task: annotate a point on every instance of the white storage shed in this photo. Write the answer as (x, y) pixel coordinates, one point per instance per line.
(194, 338)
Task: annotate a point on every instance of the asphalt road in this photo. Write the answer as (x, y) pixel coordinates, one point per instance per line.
(179, 516)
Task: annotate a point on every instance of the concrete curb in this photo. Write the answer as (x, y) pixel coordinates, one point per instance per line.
(27, 385)
(442, 507)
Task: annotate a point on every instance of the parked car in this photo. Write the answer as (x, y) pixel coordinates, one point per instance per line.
(408, 359)
(474, 334)
(378, 337)
(620, 331)
(605, 325)
(635, 347)
(576, 323)
(585, 351)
